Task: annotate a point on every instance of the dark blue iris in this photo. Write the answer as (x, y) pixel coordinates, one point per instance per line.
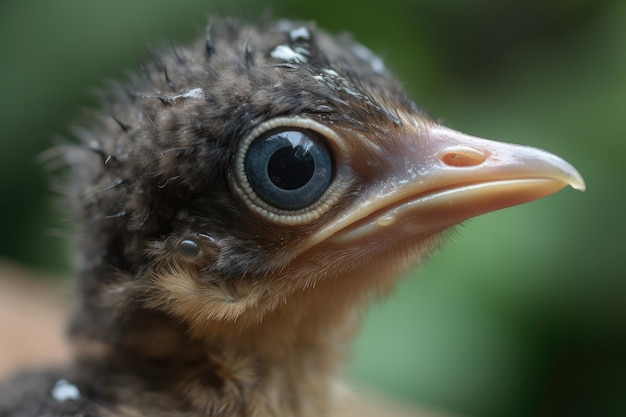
(289, 169)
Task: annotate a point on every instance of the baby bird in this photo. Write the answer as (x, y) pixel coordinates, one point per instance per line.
(239, 203)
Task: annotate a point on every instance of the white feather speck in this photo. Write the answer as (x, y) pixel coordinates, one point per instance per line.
(299, 34)
(193, 93)
(285, 53)
(63, 391)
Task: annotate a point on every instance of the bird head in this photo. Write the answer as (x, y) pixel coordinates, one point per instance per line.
(273, 174)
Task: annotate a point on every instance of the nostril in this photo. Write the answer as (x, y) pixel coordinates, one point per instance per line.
(463, 156)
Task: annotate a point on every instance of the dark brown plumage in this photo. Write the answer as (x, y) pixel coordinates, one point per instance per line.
(208, 286)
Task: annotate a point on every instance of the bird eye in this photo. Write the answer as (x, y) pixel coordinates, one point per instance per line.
(290, 169)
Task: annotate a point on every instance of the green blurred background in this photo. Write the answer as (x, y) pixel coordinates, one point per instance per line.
(524, 313)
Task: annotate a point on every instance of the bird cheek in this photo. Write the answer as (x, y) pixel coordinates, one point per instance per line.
(181, 291)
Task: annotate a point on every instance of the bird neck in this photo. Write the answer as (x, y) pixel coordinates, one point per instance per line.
(294, 364)
(288, 362)
(292, 360)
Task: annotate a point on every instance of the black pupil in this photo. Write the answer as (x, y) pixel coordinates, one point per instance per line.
(291, 167)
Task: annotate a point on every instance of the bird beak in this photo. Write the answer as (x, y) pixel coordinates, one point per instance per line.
(445, 178)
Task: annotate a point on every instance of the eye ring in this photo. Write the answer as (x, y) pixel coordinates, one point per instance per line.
(314, 191)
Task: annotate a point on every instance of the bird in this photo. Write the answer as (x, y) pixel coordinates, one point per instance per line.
(239, 202)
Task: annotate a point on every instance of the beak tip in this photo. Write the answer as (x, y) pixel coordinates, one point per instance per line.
(574, 179)
(579, 185)
(556, 167)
